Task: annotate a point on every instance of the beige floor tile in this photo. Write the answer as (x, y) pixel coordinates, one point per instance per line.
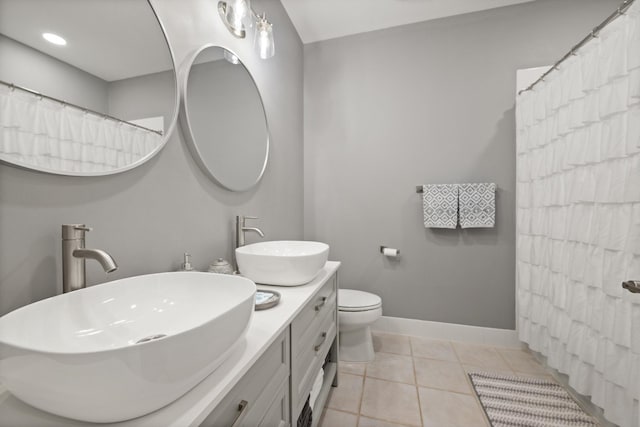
(392, 367)
(470, 368)
(441, 374)
(346, 397)
(433, 349)
(332, 418)
(370, 422)
(390, 401)
(444, 408)
(480, 356)
(391, 343)
(354, 368)
(521, 361)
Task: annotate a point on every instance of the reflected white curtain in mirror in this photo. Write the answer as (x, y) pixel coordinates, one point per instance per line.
(48, 135)
(578, 218)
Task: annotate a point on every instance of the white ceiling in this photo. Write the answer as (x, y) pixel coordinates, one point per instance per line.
(118, 39)
(111, 39)
(318, 20)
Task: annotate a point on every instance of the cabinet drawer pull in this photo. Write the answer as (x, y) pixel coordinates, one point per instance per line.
(323, 301)
(632, 286)
(324, 338)
(241, 407)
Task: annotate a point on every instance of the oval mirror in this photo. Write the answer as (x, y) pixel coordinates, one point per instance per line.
(87, 87)
(224, 119)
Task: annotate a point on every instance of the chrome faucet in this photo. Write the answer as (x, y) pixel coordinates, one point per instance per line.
(74, 256)
(241, 228)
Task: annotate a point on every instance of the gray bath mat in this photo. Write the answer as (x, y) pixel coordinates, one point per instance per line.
(511, 401)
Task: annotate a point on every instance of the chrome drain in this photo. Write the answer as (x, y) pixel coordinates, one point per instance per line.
(150, 338)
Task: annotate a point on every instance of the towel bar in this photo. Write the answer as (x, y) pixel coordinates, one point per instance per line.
(419, 189)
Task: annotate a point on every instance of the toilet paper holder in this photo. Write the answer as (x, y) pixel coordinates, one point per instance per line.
(389, 252)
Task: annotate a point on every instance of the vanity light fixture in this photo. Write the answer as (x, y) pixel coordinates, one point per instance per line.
(238, 17)
(233, 14)
(54, 38)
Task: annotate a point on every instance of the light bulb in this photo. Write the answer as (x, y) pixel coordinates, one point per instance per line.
(264, 38)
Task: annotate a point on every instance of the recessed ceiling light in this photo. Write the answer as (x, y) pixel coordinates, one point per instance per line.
(54, 38)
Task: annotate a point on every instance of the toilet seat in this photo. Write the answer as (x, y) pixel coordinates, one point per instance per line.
(351, 300)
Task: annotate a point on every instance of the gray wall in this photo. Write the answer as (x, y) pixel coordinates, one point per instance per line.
(426, 103)
(148, 216)
(151, 95)
(28, 67)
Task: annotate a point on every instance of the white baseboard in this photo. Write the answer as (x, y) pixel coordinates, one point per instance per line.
(448, 331)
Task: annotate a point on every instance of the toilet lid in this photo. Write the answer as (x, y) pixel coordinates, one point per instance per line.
(352, 300)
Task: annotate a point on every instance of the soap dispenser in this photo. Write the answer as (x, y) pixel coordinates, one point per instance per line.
(186, 265)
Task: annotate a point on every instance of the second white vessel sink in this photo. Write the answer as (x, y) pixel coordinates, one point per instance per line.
(125, 348)
(282, 262)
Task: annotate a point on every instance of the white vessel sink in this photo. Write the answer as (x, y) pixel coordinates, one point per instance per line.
(282, 263)
(125, 348)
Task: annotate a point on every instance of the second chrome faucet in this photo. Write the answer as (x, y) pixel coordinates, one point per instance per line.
(241, 228)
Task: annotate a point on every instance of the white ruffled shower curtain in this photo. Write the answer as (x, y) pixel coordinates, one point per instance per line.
(578, 218)
(44, 134)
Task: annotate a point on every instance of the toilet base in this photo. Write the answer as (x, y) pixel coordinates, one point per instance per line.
(356, 345)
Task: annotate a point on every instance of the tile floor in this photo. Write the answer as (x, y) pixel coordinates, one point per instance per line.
(419, 382)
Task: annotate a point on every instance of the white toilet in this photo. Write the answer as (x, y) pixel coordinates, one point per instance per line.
(357, 310)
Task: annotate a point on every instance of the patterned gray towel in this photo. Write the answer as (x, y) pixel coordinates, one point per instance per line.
(440, 203)
(477, 205)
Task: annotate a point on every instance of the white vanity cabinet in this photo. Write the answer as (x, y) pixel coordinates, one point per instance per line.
(314, 333)
(274, 390)
(261, 397)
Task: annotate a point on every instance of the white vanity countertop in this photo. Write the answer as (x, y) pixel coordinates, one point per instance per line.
(192, 408)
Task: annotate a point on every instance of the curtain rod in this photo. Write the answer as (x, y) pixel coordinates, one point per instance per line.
(592, 35)
(86, 110)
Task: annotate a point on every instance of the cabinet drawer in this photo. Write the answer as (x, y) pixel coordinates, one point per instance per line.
(309, 360)
(257, 388)
(277, 415)
(315, 310)
(311, 336)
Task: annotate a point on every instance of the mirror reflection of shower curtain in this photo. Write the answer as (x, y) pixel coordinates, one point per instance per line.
(49, 135)
(578, 218)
